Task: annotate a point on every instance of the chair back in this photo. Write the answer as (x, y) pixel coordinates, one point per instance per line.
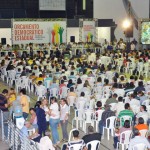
(95, 145)
(88, 116)
(125, 137)
(64, 92)
(124, 118)
(71, 100)
(143, 132)
(146, 102)
(112, 106)
(98, 114)
(54, 92)
(70, 133)
(140, 146)
(111, 121)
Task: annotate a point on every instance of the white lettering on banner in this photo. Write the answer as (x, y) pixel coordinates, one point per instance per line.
(24, 32)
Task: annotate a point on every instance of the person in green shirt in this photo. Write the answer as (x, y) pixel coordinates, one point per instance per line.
(126, 112)
(112, 99)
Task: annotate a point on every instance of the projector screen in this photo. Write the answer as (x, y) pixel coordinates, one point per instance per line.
(145, 33)
(52, 5)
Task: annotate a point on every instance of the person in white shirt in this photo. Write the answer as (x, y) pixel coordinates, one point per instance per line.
(81, 101)
(133, 101)
(143, 113)
(54, 120)
(119, 106)
(64, 112)
(132, 46)
(138, 140)
(46, 143)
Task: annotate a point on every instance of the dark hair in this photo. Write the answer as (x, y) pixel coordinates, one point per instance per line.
(90, 129)
(140, 83)
(62, 82)
(115, 85)
(141, 120)
(71, 89)
(5, 91)
(23, 91)
(144, 107)
(79, 81)
(99, 104)
(135, 132)
(40, 83)
(115, 95)
(106, 81)
(82, 94)
(63, 99)
(32, 109)
(75, 133)
(127, 124)
(54, 98)
(99, 79)
(38, 104)
(127, 105)
(120, 99)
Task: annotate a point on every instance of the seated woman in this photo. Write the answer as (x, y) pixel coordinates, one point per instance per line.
(126, 127)
(141, 125)
(33, 118)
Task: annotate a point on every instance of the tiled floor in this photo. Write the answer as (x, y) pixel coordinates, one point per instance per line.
(105, 144)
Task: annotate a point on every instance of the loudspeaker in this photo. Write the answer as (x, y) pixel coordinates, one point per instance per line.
(72, 38)
(129, 32)
(3, 41)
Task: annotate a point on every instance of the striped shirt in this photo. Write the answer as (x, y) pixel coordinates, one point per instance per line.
(73, 144)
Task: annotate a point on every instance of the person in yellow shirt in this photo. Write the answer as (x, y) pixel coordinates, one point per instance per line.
(24, 103)
(12, 96)
(11, 99)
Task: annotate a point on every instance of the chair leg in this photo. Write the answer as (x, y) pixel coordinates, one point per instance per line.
(122, 146)
(108, 130)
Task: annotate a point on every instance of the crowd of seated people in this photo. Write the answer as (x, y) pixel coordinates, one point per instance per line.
(115, 81)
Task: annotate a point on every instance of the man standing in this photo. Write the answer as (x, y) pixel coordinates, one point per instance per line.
(4, 108)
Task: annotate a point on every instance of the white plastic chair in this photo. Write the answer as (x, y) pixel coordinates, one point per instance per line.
(54, 92)
(124, 139)
(78, 118)
(143, 133)
(70, 133)
(146, 102)
(112, 106)
(64, 92)
(140, 146)
(95, 145)
(97, 117)
(110, 126)
(124, 118)
(87, 118)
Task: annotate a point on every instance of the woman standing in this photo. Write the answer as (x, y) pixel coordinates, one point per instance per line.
(46, 109)
(41, 120)
(64, 112)
(54, 119)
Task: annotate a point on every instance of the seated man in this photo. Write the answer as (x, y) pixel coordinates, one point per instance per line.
(138, 140)
(46, 143)
(76, 141)
(126, 112)
(91, 136)
(30, 132)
